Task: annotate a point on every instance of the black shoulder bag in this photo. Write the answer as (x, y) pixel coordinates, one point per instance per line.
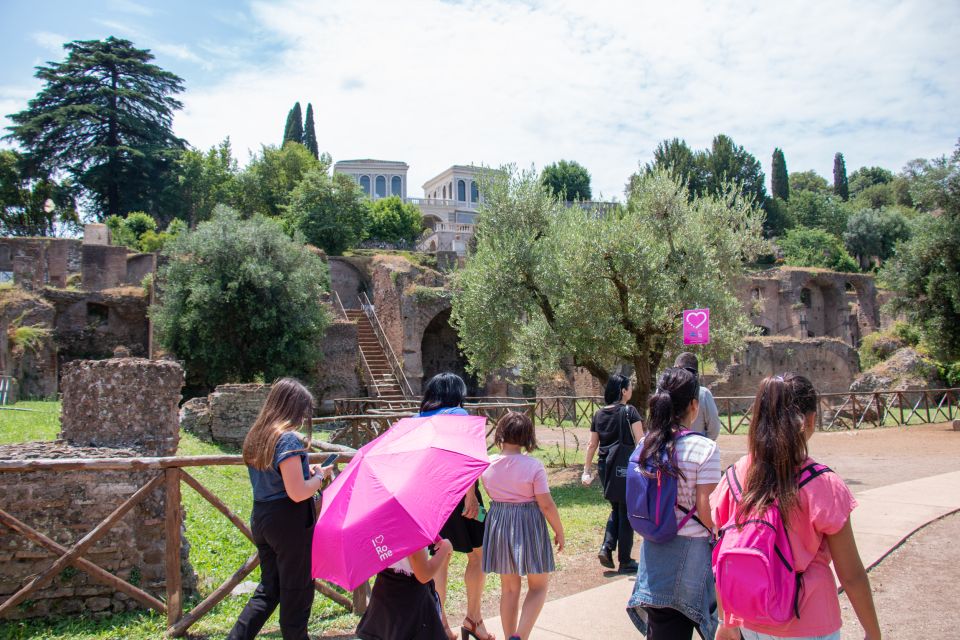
(617, 460)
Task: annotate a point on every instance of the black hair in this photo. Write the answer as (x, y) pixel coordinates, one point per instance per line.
(676, 389)
(616, 385)
(443, 391)
(688, 361)
(804, 394)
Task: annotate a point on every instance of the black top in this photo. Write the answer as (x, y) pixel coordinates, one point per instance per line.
(606, 423)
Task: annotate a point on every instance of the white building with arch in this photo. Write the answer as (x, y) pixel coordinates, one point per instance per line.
(377, 178)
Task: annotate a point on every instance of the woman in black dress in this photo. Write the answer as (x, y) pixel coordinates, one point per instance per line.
(444, 395)
(618, 423)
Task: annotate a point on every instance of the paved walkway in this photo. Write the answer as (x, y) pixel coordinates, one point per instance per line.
(884, 518)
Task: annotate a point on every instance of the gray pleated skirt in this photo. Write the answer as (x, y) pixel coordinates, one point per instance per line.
(516, 540)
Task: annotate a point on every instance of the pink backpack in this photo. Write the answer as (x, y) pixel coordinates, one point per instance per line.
(756, 577)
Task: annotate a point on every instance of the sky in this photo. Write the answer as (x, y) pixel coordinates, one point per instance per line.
(435, 83)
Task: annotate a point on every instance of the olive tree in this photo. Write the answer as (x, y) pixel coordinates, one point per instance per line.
(549, 282)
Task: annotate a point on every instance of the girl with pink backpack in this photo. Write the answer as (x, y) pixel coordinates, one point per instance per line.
(782, 518)
(674, 592)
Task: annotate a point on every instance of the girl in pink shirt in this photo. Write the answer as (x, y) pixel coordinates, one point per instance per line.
(816, 516)
(515, 540)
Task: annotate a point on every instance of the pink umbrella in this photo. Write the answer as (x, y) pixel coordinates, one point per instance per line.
(395, 495)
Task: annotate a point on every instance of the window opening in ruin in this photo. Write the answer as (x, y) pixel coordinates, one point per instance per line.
(4, 253)
(764, 331)
(849, 288)
(805, 297)
(97, 314)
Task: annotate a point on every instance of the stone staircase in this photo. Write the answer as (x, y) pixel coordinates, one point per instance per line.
(384, 383)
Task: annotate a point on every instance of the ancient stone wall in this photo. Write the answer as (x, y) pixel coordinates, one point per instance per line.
(830, 363)
(33, 364)
(122, 402)
(226, 415)
(348, 277)
(139, 266)
(103, 267)
(123, 407)
(338, 375)
(39, 262)
(92, 324)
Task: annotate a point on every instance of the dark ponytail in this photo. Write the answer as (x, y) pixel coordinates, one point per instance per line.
(776, 444)
(616, 385)
(676, 389)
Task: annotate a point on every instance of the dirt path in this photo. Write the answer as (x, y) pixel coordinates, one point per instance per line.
(914, 588)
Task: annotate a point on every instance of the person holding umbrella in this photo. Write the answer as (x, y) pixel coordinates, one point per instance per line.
(444, 395)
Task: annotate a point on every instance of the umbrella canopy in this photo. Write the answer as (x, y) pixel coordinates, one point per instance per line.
(395, 495)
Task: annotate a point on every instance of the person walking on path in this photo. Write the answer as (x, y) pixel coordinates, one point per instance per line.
(444, 394)
(615, 430)
(674, 593)
(516, 542)
(404, 603)
(815, 512)
(707, 421)
(283, 512)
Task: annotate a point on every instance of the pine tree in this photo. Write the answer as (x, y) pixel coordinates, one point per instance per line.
(840, 185)
(779, 179)
(293, 132)
(310, 133)
(104, 117)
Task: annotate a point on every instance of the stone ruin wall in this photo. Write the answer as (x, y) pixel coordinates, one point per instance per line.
(830, 364)
(35, 369)
(111, 408)
(226, 415)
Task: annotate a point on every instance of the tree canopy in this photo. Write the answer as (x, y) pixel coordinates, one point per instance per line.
(925, 271)
(779, 179)
(805, 247)
(33, 205)
(330, 212)
(874, 233)
(310, 133)
(267, 183)
(241, 301)
(395, 221)
(841, 186)
(567, 180)
(104, 117)
(548, 282)
(293, 130)
(808, 181)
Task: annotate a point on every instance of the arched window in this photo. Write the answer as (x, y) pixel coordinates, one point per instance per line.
(365, 184)
(395, 186)
(444, 192)
(461, 191)
(805, 297)
(474, 192)
(381, 187)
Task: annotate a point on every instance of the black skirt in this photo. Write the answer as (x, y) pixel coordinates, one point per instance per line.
(401, 608)
(465, 534)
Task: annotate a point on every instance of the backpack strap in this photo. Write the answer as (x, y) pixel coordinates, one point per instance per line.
(736, 490)
(810, 472)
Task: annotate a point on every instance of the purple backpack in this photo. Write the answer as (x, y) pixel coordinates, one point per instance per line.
(651, 501)
(757, 579)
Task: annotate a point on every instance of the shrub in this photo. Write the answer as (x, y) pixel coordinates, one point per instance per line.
(394, 221)
(240, 299)
(804, 247)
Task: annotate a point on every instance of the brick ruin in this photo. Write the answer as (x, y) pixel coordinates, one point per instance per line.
(121, 407)
(226, 415)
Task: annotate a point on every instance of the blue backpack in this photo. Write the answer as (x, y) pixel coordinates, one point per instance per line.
(651, 501)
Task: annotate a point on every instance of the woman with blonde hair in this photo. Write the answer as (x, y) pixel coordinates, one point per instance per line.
(283, 511)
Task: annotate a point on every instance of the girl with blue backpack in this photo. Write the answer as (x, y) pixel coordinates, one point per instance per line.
(669, 481)
(782, 519)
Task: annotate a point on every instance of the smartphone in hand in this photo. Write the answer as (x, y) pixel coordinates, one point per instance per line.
(330, 460)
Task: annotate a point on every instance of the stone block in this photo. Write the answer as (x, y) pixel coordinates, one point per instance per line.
(96, 234)
(956, 424)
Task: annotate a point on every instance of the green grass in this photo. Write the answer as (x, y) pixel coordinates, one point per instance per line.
(41, 422)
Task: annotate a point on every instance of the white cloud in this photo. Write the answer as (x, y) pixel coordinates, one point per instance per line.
(52, 42)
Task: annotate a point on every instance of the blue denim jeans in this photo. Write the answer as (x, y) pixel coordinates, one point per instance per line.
(753, 635)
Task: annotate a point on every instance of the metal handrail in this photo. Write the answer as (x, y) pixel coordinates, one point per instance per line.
(371, 314)
(339, 306)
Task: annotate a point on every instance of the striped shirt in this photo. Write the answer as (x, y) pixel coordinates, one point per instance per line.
(699, 459)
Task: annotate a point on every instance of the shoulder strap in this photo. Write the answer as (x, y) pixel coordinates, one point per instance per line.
(810, 472)
(734, 483)
(624, 426)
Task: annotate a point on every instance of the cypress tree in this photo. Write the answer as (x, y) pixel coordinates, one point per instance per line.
(840, 186)
(293, 132)
(310, 133)
(779, 179)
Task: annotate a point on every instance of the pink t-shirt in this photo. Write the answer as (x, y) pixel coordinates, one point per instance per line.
(824, 507)
(515, 477)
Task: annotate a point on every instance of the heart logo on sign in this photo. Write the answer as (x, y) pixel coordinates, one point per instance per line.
(696, 319)
(378, 540)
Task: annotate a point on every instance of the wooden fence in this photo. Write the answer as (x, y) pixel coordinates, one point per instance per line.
(837, 411)
(170, 472)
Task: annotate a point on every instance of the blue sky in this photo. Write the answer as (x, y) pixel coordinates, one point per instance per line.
(601, 82)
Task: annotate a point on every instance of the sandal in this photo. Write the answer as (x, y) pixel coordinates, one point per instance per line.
(469, 628)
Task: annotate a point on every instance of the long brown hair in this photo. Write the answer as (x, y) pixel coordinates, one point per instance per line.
(777, 448)
(289, 405)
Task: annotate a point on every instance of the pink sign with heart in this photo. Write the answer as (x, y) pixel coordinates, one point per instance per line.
(696, 326)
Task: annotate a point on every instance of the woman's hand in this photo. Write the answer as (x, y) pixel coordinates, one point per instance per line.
(471, 507)
(444, 548)
(586, 478)
(318, 470)
(726, 632)
(560, 541)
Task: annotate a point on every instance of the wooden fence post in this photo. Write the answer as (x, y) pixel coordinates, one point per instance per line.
(172, 551)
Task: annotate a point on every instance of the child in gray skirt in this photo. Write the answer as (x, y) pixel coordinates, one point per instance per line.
(516, 541)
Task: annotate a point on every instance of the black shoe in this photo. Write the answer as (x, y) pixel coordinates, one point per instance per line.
(628, 567)
(605, 556)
